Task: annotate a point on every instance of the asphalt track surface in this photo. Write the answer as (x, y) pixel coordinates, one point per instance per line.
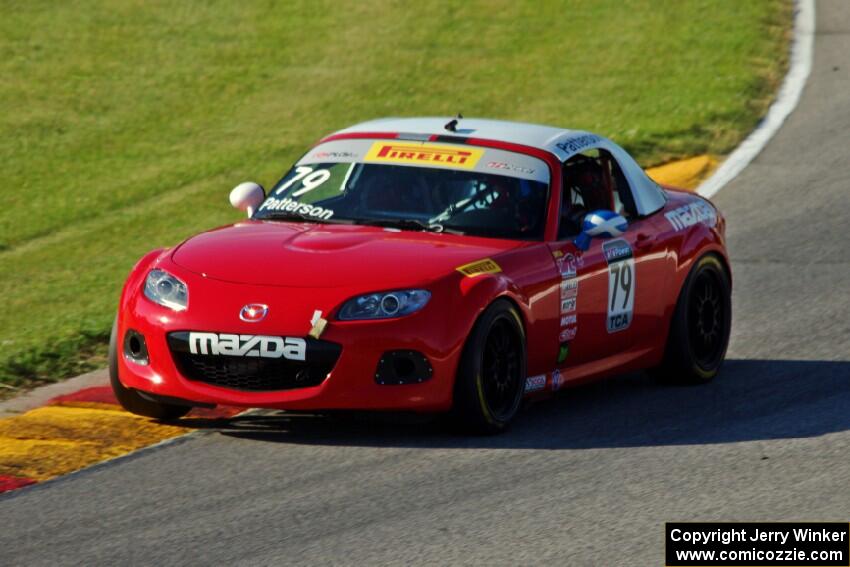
(586, 479)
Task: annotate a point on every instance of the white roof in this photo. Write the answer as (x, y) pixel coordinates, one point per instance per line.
(561, 142)
(535, 135)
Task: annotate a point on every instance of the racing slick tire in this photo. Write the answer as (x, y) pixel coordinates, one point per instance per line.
(700, 327)
(491, 375)
(129, 399)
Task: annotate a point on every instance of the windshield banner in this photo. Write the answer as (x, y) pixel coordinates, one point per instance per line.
(427, 154)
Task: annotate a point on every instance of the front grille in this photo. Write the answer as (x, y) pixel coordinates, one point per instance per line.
(255, 374)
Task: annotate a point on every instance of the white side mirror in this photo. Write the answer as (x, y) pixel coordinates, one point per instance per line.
(247, 197)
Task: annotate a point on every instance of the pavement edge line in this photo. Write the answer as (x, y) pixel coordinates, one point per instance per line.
(802, 48)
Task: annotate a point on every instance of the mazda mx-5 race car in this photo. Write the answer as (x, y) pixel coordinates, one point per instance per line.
(430, 265)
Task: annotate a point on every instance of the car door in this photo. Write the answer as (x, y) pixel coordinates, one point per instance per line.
(637, 283)
(609, 292)
(582, 307)
(585, 275)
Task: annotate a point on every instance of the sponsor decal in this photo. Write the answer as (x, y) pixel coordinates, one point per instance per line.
(485, 266)
(569, 288)
(334, 155)
(691, 214)
(571, 145)
(567, 334)
(569, 264)
(225, 344)
(616, 250)
(621, 284)
(557, 254)
(424, 154)
(317, 324)
(563, 353)
(556, 380)
(510, 167)
(293, 206)
(535, 383)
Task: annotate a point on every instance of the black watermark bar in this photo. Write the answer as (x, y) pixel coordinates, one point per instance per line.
(767, 544)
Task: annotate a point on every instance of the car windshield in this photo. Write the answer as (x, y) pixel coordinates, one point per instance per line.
(434, 191)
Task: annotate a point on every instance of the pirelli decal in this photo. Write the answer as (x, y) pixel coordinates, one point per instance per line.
(431, 155)
(485, 266)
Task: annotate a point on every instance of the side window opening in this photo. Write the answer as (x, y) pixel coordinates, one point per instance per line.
(586, 187)
(624, 201)
(592, 180)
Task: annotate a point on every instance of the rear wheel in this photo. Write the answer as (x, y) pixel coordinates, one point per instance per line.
(491, 375)
(699, 330)
(129, 399)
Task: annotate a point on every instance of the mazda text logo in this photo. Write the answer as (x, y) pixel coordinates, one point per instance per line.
(253, 312)
(291, 348)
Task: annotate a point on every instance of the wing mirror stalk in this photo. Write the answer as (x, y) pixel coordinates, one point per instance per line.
(247, 197)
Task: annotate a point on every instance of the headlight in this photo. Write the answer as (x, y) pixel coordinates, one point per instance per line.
(384, 305)
(163, 288)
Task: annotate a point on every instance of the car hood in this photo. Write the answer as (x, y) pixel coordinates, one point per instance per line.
(329, 255)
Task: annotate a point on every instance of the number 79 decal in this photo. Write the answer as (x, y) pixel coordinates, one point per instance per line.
(621, 284)
(309, 178)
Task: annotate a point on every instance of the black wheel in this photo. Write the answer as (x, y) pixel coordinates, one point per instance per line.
(129, 399)
(699, 330)
(491, 375)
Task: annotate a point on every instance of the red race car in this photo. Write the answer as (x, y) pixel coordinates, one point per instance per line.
(434, 266)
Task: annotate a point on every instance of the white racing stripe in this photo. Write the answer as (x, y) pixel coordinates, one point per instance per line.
(786, 100)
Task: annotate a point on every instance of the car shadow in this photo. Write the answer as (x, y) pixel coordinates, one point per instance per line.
(750, 400)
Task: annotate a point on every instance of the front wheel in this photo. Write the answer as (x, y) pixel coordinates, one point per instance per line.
(491, 375)
(129, 399)
(699, 330)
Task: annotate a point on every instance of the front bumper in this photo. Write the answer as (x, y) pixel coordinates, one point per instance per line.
(350, 384)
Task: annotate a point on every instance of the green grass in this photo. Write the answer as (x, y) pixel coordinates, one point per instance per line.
(123, 125)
